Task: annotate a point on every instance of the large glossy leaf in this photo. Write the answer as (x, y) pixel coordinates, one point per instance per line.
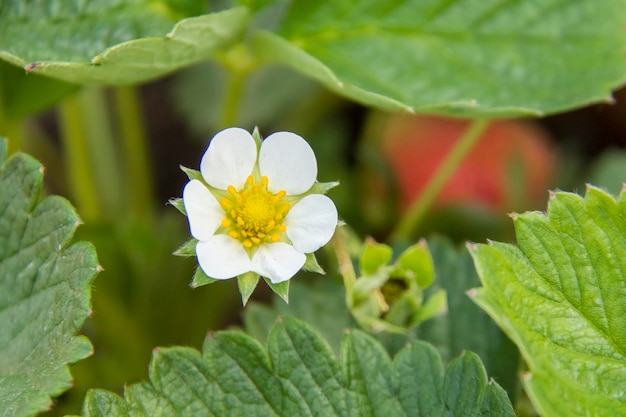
(321, 304)
(22, 94)
(110, 41)
(560, 297)
(199, 93)
(44, 290)
(299, 376)
(464, 57)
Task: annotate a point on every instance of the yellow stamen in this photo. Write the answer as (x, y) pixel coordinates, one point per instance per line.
(254, 215)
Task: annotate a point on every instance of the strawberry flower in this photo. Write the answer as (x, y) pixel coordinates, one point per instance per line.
(255, 206)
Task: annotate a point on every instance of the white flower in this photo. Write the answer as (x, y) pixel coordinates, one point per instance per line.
(252, 216)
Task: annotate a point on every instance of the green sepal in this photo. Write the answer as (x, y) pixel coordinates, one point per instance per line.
(311, 265)
(3, 149)
(256, 135)
(368, 283)
(281, 289)
(416, 264)
(192, 174)
(187, 249)
(322, 187)
(389, 297)
(179, 204)
(374, 324)
(434, 305)
(374, 256)
(200, 279)
(247, 283)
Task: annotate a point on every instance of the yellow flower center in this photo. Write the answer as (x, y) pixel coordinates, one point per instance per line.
(254, 215)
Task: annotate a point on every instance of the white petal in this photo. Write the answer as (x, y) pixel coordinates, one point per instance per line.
(311, 222)
(230, 158)
(288, 162)
(277, 261)
(222, 257)
(203, 211)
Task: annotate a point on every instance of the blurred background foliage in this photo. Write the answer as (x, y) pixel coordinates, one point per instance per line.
(383, 160)
(115, 153)
(142, 299)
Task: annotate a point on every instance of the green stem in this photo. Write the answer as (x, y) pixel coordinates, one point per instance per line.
(407, 226)
(9, 128)
(239, 62)
(101, 144)
(232, 97)
(346, 269)
(13, 131)
(77, 159)
(134, 142)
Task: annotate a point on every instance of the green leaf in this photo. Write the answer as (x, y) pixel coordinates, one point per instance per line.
(374, 256)
(417, 264)
(560, 297)
(58, 31)
(320, 303)
(198, 94)
(299, 376)
(462, 58)
(23, 94)
(112, 42)
(44, 290)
